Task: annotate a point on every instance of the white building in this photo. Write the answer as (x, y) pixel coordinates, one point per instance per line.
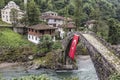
(90, 24)
(52, 19)
(35, 32)
(50, 13)
(5, 12)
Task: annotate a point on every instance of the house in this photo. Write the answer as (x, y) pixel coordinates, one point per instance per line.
(52, 19)
(35, 32)
(90, 24)
(20, 28)
(50, 13)
(6, 12)
(70, 26)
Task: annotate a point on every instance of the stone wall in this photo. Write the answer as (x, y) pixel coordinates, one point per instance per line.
(103, 68)
(108, 45)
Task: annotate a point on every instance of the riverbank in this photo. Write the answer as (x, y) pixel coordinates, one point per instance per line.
(6, 64)
(85, 71)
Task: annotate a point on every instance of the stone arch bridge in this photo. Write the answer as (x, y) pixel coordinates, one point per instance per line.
(105, 59)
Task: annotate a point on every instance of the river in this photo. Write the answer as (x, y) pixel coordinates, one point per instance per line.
(86, 71)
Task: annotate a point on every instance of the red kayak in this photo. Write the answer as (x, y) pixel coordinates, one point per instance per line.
(73, 46)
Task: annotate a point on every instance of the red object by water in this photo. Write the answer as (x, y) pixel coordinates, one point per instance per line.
(73, 46)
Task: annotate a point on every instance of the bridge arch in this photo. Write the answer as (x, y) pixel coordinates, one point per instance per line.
(104, 67)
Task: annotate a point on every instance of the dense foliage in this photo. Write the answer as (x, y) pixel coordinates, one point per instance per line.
(14, 16)
(47, 44)
(107, 7)
(114, 31)
(115, 76)
(33, 13)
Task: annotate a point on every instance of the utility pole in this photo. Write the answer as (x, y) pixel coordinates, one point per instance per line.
(25, 5)
(66, 13)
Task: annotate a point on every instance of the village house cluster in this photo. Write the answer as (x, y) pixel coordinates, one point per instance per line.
(55, 23)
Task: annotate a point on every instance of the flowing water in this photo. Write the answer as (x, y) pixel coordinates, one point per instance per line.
(86, 71)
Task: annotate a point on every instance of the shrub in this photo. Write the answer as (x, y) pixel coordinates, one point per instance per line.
(57, 45)
(45, 44)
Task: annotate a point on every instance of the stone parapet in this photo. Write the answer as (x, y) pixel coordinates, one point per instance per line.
(104, 61)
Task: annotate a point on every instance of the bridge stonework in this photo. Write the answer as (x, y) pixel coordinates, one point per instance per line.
(103, 67)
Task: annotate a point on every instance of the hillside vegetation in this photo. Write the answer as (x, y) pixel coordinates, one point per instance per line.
(12, 39)
(60, 6)
(13, 47)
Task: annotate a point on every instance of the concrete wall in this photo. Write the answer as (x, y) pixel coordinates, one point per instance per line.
(33, 39)
(57, 22)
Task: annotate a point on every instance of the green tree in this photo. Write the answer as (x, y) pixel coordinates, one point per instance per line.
(56, 45)
(114, 31)
(2, 3)
(45, 44)
(33, 13)
(14, 16)
(78, 13)
(24, 20)
(96, 15)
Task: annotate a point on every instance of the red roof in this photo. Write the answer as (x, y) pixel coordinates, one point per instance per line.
(41, 27)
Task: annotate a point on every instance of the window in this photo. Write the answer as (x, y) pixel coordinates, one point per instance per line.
(7, 18)
(29, 29)
(42, 32)
(35, 38)
(29, 36)
(32, 37)
(55, 20)
(32, 30)
(35, 31)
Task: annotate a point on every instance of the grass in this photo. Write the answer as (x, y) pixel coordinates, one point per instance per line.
(12, 39)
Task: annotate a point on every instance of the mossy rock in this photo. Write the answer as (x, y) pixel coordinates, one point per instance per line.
(48, 61)
(81, 49)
